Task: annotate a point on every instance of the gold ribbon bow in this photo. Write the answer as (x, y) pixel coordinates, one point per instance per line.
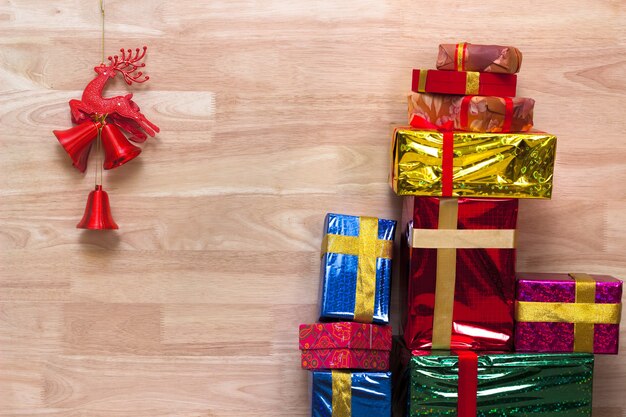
(342, 393)
(447, 239)
(583, 312)
(368, 248)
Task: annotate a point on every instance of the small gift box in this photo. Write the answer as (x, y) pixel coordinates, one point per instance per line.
(460, 256)
(346, 345)
(455, 164)
(344, 393)
(473, 113)
(567, 313)
(510, 384)
(356, 268)
(483, 58)
(464, 83)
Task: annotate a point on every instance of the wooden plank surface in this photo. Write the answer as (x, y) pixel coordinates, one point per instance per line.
(272, 114)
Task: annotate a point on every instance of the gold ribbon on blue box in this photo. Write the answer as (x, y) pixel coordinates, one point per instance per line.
(356, 268)
(344, 393)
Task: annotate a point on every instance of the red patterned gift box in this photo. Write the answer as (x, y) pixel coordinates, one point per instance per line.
(567, 313)
(345, 345)
(459, 261)
(464, 83)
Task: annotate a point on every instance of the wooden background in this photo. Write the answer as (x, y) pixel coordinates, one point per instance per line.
(272, 114)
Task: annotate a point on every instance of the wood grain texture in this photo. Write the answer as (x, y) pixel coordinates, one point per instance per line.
(272, 114)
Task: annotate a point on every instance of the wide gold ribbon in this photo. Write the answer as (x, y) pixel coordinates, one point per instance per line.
(584, 312)
(472, 83)
(445, 278)
(585, 293)
(368, 248)
(342, 393)
(421, 83)
(578, 313)
(463, 239)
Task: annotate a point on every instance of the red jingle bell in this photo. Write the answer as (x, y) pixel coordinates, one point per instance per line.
(117, 149)
(77, 142)
(97, 212)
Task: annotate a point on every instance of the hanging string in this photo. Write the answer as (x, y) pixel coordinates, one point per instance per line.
(102, 18)
(98, 158)
(100, 118)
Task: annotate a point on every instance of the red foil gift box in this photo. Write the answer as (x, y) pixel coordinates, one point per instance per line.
(567, 313)
(458, 257)
(345, 345)
(464, 83)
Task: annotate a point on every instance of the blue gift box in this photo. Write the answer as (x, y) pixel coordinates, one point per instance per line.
(355, 394)
(356, 268)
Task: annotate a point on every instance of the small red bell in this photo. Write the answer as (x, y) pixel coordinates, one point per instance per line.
(77, 142)
(117, 149)
(97, 212)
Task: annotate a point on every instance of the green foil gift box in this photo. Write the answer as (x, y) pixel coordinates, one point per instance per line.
(504, 385)
(468, 164)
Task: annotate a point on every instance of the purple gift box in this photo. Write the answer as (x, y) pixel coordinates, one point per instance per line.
(567, 313)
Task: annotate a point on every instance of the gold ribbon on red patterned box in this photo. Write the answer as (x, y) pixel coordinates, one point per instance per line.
(368, 248)
(447, 239)
(583, 312)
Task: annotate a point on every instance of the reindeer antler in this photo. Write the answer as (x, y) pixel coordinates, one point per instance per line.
(127, 64)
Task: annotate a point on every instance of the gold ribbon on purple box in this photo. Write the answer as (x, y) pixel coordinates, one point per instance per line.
(583, 312)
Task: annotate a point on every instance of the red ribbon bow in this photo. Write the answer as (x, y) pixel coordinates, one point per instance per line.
(447, 152)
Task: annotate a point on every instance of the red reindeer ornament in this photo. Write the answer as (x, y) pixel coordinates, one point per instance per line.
(106, 118)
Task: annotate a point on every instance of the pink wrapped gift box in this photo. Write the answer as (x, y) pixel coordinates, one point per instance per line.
(556, 313)
(345, 345)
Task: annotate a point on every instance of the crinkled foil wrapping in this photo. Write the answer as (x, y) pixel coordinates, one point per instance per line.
(370, 394)
(514, 165)
(339, 273)
(484, 289)
(509, 384)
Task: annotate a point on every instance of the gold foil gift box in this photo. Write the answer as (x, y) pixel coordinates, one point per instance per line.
(468, 164)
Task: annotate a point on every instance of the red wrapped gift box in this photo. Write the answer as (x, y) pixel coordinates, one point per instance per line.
(464, 83)
(459, 261)
(345, 345)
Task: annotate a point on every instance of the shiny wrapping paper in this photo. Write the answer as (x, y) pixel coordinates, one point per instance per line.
(474, 113)
(345, 345)
(555, 332)
(351, 394)
(515, 165)
(464, 83)
(510, 384)
(478, 311)
(356, 268)
(482, 58)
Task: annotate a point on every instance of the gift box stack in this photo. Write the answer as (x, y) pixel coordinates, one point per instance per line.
(348, 351)
(477, 339)
(482, 340)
